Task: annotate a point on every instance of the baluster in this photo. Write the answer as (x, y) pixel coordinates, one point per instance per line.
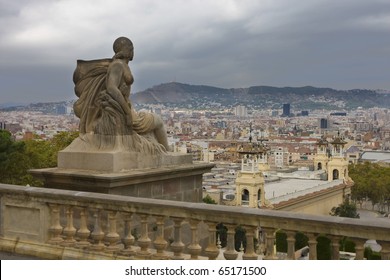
(219, 243)
(250, 244)
(129, 239)
(312, 245)
(212, 251)
(160, 243)
(69, 230)
(241, 249)
(112, 237)
(230, 253)
(335, 244)
(83, 232)
(97, 234)
(144, 241)
(194, 248)
(270, 243)
(290, 245)
(262, 243)
(177, 246)
(55, 228)
(359, 248)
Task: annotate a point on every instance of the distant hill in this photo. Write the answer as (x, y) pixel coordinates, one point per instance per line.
(45, 107)
(11, 104)
(208, 97)
(307, 97)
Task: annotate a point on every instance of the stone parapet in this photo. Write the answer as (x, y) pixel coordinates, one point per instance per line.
(64, 224)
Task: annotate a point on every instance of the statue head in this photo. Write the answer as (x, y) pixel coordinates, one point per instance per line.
(123, 48)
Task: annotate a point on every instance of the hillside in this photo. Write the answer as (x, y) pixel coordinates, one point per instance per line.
(208, 97)
(200, 96)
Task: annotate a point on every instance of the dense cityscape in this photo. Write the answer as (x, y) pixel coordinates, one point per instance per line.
(290, 152)
(218, 130)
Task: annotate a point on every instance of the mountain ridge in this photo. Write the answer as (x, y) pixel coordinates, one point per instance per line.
(263, 97)
(305, 97)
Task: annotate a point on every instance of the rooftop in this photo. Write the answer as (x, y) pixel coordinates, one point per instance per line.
(286, 189)
(376, 156)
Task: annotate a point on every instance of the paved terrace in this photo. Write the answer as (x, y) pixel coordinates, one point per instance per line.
(61, 224)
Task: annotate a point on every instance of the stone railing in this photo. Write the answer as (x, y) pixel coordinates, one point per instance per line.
(60, 224)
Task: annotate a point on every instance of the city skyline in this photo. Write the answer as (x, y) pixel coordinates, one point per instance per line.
(224, 43)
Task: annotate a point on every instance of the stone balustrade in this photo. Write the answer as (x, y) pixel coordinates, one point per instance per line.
(61, 224)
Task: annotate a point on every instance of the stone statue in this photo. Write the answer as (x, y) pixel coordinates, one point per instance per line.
(107, 118)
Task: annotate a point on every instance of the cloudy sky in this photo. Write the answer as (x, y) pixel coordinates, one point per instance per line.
(225, 43)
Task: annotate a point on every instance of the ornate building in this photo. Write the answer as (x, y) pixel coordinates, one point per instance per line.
(331, 158)
(321, 159)
(337, 165)
(250, 180)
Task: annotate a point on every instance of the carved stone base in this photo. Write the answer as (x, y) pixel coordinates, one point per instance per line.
(130, 165)
(118, 161)
(171, 182)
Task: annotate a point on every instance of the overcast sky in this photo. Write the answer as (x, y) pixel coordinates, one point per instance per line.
(343, 44)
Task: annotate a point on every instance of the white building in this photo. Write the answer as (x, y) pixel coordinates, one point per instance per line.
(241, 111)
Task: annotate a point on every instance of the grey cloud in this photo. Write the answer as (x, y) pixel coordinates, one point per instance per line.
(340, 44)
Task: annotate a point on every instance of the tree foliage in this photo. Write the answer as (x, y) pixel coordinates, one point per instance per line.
(281, 241)
(209, 200)
(13, 161)
(345, 209)
(324, 251)
(372, 182)
(17, 157)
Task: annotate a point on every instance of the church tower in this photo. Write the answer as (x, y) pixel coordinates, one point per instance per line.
(321, 158)
(263, 156)
(338, 165)
(250, 180)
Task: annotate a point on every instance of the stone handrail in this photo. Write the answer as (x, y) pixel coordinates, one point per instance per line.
(61, 224)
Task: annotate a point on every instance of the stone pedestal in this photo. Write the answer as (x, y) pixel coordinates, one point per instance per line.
(168, 176)
(118, 161)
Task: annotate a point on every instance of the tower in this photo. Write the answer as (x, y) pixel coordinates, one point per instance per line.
(262, 157)
(323, 123)
(321, 158)
(250, 180)
(338, 165)
(286, 110)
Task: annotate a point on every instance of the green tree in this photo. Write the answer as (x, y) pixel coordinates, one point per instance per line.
(41, 153)
(240, 238)
(345, 209)
(372, 182)
(222, 234)
(207, 199)
(63, 139)
(13, 161)
(281, 241)
(301, 240)
(17, 157)
(347, 245)
(369, 254)
(360, 188)
(323, 248)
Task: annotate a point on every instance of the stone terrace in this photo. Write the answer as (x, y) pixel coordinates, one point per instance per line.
(61, 224)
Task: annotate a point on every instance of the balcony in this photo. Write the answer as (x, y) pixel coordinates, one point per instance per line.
(62, 224)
